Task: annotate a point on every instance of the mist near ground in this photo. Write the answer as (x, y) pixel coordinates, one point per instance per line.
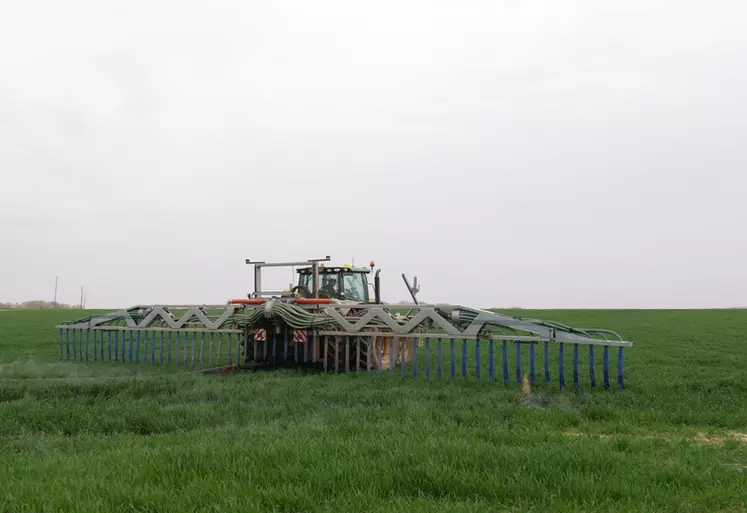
(518, 153)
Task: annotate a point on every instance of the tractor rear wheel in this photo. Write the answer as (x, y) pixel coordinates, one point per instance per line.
(386, 347)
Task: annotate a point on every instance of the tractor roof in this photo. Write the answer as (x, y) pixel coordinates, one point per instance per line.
(336, 269)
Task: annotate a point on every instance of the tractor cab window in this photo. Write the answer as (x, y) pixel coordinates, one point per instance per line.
(329, 284)
(355, 287)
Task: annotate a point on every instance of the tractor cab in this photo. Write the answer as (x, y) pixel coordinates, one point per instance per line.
(345, 283)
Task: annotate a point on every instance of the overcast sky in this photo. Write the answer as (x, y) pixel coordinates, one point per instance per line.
(508, 153)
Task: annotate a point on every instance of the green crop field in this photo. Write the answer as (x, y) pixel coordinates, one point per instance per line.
(93, 437)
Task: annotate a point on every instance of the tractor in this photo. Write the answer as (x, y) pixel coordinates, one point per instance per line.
(318, 284)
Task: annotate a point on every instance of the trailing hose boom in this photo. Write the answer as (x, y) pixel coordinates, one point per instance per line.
(329, 321)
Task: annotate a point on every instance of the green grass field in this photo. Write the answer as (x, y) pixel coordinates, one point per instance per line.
(98, 437)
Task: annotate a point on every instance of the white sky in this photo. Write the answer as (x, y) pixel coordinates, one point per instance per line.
(508, 153)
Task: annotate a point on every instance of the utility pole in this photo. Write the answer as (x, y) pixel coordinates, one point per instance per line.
(54, 305)
(81, 297)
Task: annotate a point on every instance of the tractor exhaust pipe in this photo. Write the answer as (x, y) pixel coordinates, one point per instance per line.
(377, 287)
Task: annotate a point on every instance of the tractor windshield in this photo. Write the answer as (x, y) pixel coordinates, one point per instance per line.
(354, 285)
(329, 283)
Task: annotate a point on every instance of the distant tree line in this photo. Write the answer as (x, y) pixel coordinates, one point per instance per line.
(36, 305)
